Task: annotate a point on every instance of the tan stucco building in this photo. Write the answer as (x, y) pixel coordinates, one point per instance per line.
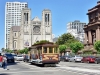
(31, 30)
(92, 30)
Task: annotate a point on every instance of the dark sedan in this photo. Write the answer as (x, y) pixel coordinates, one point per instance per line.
(97, 60)
(64, 58)
(10, 58)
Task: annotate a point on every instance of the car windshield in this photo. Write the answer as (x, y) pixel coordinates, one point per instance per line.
(78, 56)
(19, 56)
(14, 55)
(67, 56)
(8, 54)
(91, 56)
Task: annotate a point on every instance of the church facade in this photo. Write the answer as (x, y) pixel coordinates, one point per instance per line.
(31, 30)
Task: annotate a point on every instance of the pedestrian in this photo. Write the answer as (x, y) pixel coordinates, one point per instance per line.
(5, 62)
(1, 60)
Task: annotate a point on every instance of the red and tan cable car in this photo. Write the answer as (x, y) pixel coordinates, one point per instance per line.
(44, 54)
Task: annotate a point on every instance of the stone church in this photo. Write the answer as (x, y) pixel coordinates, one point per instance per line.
(31, 30)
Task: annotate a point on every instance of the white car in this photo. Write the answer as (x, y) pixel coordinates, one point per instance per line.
(75, 58)
(19, 58)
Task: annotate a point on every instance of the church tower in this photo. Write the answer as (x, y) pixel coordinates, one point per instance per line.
(46, 25)
(25, 28)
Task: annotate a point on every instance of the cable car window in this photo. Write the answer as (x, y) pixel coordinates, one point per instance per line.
(50, 50)
(55, 50)
(45, 50)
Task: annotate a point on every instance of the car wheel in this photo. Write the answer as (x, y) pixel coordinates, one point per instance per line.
(81, 61)
(96, 62)
(88, 62)
(74, 60)
(64, 60)
(69, 60)
(13, 61)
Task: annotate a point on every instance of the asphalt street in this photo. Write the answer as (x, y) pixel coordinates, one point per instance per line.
(63, 68)
(92, 66)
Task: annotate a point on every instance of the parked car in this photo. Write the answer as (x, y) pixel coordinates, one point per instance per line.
(64, 58)
(75, 58)
(26, 58)
(89, 59)
(19, 58)
(14, 56)
(10, 58)
(97, 60)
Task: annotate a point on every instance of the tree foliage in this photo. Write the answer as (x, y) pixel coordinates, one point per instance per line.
(76, 46)
(3, 49)
(23, 51)
(65, 38)
(97, 46)
(26, 50)
(8, 51)
(70, 41)
(62, 48)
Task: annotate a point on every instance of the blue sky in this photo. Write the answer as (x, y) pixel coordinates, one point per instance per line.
(63, 11)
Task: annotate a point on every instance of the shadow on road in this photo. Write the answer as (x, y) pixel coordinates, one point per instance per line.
(43, 65)
(4, 74)
(15, 63)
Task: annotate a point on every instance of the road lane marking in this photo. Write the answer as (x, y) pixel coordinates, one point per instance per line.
(79, 69)
(29, 66)
(79, 72)
(30, 71)
(64, 67)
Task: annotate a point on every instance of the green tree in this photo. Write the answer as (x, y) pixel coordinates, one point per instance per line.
(21, 51)
(70, 41)
(64, 38)
(62, 48)
(8, 51)
(26, 50)
(3, 49)
(97, 46)
(76, 46)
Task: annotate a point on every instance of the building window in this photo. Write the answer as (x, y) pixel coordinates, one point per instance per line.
(15, 34)
(26, 16)
(15, 44)
(46, 17)
(74, 27)
(96, 14)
